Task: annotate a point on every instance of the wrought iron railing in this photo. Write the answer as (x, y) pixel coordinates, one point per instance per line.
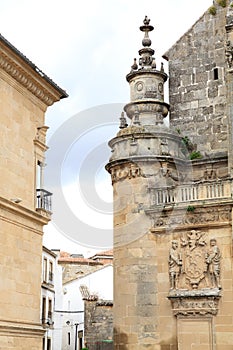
(44, 199)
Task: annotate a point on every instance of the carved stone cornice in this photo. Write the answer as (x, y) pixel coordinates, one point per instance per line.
(28, 75)
(25, 79)
(195, 303)
(197, 217)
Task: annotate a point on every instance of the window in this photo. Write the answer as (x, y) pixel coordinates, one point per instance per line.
(68, 338)
(45, 264)
(50, 314)
(50, 271)
(49, 344)
(215, 73)
(43, 316)
(39, 175)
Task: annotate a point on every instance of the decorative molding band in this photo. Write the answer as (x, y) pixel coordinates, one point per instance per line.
(21, 329)
(203, 303)
(39, 216)
(26, 80)
(197, 217)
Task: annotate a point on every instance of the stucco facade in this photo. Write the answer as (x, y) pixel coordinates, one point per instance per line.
(25, 94)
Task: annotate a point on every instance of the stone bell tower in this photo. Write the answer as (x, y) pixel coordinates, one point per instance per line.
(147, 159)
(173, 197)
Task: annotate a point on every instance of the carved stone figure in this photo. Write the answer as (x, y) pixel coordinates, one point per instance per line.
(229, 54)
(175, 264)
(213, 261)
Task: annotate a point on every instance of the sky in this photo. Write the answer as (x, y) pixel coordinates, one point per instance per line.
(87, 48)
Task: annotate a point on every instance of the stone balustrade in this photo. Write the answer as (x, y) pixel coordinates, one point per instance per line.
(190, 192)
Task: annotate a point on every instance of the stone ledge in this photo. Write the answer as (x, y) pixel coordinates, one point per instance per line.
(195, 302)
(21, 329)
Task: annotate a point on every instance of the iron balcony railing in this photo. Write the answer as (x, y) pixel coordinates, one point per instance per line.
(43, 199)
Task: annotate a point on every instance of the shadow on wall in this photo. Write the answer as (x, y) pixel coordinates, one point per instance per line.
(120, 340)
(169, 344)
(99, 345)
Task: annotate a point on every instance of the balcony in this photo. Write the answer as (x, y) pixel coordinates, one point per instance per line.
(190, 193)
(43, 200)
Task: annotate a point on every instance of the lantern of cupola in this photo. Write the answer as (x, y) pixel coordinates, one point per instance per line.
(146, 85)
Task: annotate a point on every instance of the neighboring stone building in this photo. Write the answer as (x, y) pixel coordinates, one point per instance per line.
(25, 94)
(173, 276)
(75, 266)
(98, 324)
(104, 257)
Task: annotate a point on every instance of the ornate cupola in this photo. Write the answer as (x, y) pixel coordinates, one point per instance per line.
(147, 106)
(145, 135)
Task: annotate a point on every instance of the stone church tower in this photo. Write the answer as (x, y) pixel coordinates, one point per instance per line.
(173, 283)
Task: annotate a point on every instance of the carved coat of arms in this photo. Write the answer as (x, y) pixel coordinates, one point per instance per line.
(193, 264)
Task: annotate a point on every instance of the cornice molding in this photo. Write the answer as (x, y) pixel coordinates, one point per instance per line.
(21, 329)
(39, 216)
(28, 78)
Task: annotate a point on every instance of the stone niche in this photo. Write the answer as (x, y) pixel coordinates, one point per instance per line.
(194, 273)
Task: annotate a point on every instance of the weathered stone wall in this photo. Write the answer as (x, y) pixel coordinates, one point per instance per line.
(173, 216)
(197, 85)
(98, 324)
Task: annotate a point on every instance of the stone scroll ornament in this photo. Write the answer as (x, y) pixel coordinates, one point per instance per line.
(193, 264)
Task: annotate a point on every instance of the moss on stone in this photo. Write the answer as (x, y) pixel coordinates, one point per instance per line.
(212, 10)
(195, 155)
(222, 3)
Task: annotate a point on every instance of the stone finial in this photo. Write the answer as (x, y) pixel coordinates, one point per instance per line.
(162, 67)
(146, 60)
(134, 65)
(146, 28)
(146, 21)
(123, 123)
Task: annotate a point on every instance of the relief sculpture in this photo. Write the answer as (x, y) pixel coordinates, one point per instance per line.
(175, 264)
(192, 264)
(213, 262)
